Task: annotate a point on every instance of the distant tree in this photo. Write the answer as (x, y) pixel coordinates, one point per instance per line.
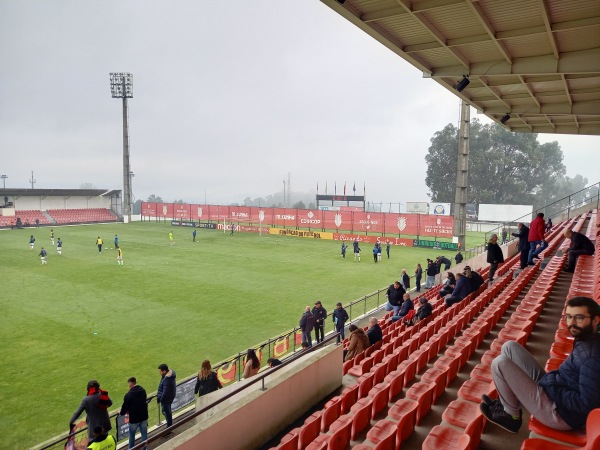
(180, 202)
(299, 205)
(248, 201)
(311, 205)
(137, 207)
(155, 199)
(504, 167)
(87, 186)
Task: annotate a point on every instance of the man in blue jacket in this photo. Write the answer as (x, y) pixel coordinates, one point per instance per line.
(560, 399)
(166, 391)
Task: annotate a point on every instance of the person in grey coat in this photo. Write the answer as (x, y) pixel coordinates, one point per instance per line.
(95, 404)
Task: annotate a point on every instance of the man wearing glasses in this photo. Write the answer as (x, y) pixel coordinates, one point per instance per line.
(560, 399)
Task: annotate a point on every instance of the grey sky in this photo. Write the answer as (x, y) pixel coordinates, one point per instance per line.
(229, 96)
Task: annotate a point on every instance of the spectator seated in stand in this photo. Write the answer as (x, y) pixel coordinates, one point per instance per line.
(425, 309)
(374, 333)
(580, 245)
(462, 289)
(448, 285)
(474, 278)
(559, 399)
(407, 305)
(358, 342)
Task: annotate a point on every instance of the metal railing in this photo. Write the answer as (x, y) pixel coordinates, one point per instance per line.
(356, 309)
(258, 378)
(583, 197)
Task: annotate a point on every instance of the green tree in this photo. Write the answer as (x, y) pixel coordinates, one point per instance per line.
(299, 205)
(154, 198)
(136, 207)
(504, 167)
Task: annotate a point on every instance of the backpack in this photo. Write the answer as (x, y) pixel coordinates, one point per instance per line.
(410, 318)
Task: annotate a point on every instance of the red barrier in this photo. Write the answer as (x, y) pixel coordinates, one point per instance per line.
(391, 225)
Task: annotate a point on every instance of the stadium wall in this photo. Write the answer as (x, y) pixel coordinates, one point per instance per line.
(249, 419)
(44, 203)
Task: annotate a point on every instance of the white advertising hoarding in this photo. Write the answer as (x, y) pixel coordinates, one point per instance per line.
(505, 213)
(439, 209)
(417, 207)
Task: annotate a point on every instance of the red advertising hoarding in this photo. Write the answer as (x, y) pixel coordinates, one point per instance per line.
(388, 224)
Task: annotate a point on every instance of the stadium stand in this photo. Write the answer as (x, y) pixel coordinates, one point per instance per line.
(60, 217)
(66, 216)
(28, 218)
(408, 351)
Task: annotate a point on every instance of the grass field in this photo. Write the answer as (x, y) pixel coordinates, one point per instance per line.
(81, 316)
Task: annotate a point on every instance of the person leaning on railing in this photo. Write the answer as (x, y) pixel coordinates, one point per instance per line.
(207, 381)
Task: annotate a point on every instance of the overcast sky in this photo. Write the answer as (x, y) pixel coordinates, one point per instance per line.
(229, 96)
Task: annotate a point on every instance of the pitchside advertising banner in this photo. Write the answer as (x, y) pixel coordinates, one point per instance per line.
(252, 218)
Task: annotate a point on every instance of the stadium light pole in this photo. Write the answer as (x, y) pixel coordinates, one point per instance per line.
(121, 86)
(4, 177)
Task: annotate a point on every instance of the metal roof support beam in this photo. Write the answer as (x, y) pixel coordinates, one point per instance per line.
(548, 25)
(589, 108)
(581, 62)
(487, 26)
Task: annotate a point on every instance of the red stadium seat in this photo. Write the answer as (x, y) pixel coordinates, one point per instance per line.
(592, 437)
(330, 415)
(422, 393)
(437, 375)
(386, 440)
(405, 412)
(445, 438)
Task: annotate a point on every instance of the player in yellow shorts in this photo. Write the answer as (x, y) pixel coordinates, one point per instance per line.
(119, 256)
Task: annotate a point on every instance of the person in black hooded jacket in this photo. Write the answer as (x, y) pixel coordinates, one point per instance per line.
(135, 404)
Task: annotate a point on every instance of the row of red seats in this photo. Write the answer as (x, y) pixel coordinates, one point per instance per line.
(463, 422)
(584, 277)
(383, 375)
(26, 216)
(62, 216)
(384, 370)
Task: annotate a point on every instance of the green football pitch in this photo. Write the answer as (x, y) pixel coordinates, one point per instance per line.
(82, 316)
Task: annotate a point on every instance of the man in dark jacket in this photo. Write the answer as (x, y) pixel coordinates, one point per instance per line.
(446, 262)
(461, 290)
(374, 333)
(407, 305)
(475, 279)
(167, 389)
(320, 315)
(339, 316)
(495, 257)
(136, 406)
(458, 257)
(431, 271)
(394, 296)
(307, 323)
(560, 399)
(523, 236)
(95, 404)
(580, 245)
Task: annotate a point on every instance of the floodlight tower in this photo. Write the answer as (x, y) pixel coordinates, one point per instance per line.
(121, 86)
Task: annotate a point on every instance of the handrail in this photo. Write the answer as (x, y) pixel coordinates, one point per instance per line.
(49, 444)
(554, 213)
(255, 379)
